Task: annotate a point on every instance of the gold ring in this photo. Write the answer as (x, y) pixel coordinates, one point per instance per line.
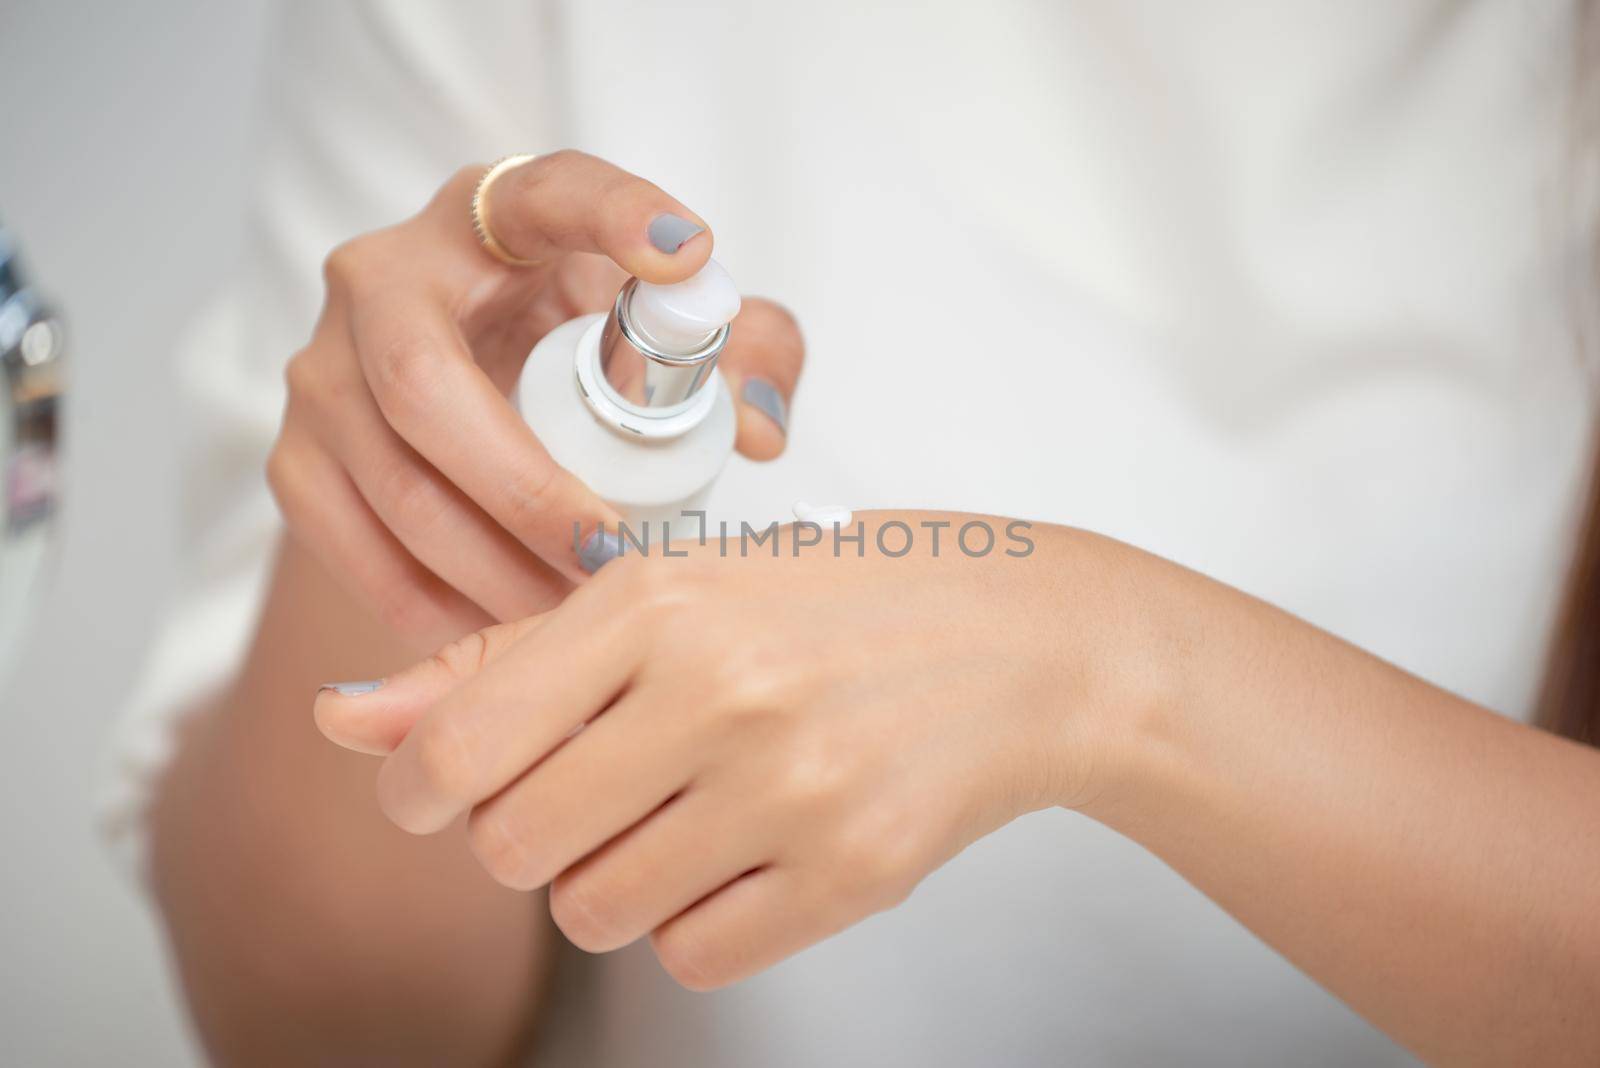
(480, 211)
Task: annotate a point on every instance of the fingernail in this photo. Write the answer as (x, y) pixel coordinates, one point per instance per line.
(599, 549)
(352, 689)
(668, 232)
(762, 394)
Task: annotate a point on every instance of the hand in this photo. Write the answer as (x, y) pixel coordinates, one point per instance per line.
(770, 749)
(402, 465)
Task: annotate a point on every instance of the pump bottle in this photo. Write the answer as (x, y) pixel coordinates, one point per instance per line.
(631, 400)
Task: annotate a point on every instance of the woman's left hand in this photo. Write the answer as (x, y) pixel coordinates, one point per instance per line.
(771, 748)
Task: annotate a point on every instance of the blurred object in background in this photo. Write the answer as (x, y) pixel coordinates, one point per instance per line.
(30, 360)
(126, 132)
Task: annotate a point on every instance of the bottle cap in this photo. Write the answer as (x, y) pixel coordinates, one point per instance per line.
(660, 343)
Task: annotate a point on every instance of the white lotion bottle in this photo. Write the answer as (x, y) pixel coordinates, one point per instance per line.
(631, 401)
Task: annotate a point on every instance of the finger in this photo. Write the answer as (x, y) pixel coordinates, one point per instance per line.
(444, 406)
(617, 771)
(572, 202)
(502, 332)
(329, 516)
(692, 847)
(375, 720)
(509, 715)
(762, 363)
(437, 522)
(750, 924)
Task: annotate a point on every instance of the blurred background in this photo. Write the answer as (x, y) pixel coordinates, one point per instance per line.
(125, 144)
(151, 104)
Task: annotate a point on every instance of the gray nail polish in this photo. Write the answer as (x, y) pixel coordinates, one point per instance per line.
(352, 689)
(668, 232)
(599, 549)
(762, 394)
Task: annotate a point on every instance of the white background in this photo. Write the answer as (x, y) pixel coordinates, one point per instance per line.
(123, 132)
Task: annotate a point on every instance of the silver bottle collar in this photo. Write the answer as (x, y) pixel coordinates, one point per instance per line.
(640, 375)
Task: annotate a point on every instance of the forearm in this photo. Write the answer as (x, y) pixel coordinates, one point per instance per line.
(298, 915)
(1434, 865)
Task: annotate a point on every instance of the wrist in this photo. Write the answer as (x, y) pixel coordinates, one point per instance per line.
(1109, 645)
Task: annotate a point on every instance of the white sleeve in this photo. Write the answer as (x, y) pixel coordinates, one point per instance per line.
(366, 108)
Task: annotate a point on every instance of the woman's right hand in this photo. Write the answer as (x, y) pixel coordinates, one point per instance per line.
(402, 465)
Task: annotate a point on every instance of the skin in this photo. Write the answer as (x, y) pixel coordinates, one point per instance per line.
(827, 732)
(401, 465)
(295, 913)
(747, 786)
(420, 507)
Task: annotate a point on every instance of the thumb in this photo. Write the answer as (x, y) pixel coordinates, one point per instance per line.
(762, 363)
(568, 201)
(374, 717)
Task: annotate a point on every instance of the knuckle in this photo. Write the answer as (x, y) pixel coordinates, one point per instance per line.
(746, 678)
(465, 177)
(890, 891)
(443, 761)
(473, 652)
(409, 498)
(403, 373)
(619, 585)
(300, 375)
(500, 849)
(888, 880)
(283, 478)
(344, 264)
(464, 656)
(655, 592)
(529, 182)
(809, 780)
(861, 896)
(880, 865)
(562, 159)
(323, 378)
(528, 504)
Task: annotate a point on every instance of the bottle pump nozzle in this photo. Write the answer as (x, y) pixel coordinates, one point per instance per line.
(660, 343)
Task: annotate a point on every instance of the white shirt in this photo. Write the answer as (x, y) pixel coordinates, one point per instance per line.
(1286, 292)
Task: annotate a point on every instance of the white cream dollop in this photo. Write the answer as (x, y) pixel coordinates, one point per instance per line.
(823, 515)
